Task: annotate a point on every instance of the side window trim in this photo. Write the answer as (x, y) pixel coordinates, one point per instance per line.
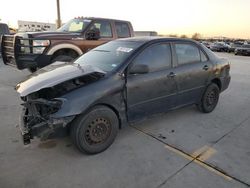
(204, 53)
(132, 61)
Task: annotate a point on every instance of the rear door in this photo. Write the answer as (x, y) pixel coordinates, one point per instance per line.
(192, 70)
(152, 92)
(122, 29)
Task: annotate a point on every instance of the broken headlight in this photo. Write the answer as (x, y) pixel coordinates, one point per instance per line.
(43, 107)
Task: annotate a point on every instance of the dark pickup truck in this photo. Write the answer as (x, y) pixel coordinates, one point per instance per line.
(35, 50)
(119, 82)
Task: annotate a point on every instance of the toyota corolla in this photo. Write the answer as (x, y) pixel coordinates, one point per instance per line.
(117, 83)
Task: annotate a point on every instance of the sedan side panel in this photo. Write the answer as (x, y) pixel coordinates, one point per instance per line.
(80, 100)
(192, 80)
(150, 93)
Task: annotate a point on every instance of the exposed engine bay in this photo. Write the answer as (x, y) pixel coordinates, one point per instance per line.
(39, 105)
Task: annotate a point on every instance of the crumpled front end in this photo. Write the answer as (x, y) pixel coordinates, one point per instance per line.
(36, 120)
(43, 98)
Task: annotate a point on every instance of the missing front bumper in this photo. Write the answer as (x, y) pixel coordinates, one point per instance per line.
(51, 128)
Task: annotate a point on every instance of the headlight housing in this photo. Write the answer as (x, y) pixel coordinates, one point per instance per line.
(40, 45)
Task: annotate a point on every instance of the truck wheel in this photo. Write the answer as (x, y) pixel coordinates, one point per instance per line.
(95, 131)
(209, 99)
(64, 58)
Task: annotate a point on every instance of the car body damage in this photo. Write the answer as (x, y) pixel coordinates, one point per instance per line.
(42, 97)
(58, 73)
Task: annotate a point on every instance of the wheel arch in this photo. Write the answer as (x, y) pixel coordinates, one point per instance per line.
(58, 47)
(112, 107)
(217, 81)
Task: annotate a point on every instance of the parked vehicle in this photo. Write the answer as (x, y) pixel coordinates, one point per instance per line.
(233, 46)
(219, 47)
(145, 33)
(243, 50)
(4, 29)
(207, 44)
(116, 83)
(35, 50)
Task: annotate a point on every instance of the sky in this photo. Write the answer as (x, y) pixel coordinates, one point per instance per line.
(210, 18)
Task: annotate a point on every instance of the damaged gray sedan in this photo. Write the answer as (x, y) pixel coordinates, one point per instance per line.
(117, 83)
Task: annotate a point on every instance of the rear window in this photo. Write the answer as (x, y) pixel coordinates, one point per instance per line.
(122, 29)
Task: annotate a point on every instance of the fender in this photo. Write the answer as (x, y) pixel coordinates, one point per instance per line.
(63, 46)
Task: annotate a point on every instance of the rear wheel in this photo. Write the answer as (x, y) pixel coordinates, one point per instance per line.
(209, 99)
(96, 131)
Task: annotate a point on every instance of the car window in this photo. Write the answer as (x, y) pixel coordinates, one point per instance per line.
(187, 53)
(122, 29)
(109, 56)
(203, 57)
(74, 25)
(156, 57)
(104, 27)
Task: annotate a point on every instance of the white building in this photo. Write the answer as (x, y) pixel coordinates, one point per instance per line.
(24, 26)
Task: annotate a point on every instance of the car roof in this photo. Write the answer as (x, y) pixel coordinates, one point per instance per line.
(97, 18)
(155, 38)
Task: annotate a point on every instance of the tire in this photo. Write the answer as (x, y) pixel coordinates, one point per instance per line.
(64, 58)
(32, 69)
(209, 99)
(95, 131)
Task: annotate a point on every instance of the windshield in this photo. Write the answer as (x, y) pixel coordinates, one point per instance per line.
(109, 56)
(75, 25)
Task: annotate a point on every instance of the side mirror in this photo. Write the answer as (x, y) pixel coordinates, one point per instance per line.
(93, 34)
(139, 69)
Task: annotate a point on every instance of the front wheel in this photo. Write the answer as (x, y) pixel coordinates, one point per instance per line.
(209, 99)
(96, 131)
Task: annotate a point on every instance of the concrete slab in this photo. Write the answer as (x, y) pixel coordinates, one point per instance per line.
(134, 160)
(187, 129)
(233, 153)
(195, 176)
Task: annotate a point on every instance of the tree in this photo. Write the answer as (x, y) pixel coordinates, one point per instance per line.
(173, 35)
(184, 36)
(196, 36)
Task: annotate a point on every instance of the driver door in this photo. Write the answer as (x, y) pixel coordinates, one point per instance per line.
(155, 91)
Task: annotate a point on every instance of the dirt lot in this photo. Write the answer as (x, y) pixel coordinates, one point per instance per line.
(183, 148)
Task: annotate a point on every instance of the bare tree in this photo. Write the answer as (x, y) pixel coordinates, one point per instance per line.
(196, 36)
(184, 36)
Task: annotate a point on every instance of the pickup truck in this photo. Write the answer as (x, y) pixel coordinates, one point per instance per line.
(34, 50)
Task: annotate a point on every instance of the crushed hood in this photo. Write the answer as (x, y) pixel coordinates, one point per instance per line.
(52, 75)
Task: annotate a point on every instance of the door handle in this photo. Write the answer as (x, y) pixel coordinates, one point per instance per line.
(205, 67)
(171, 75)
